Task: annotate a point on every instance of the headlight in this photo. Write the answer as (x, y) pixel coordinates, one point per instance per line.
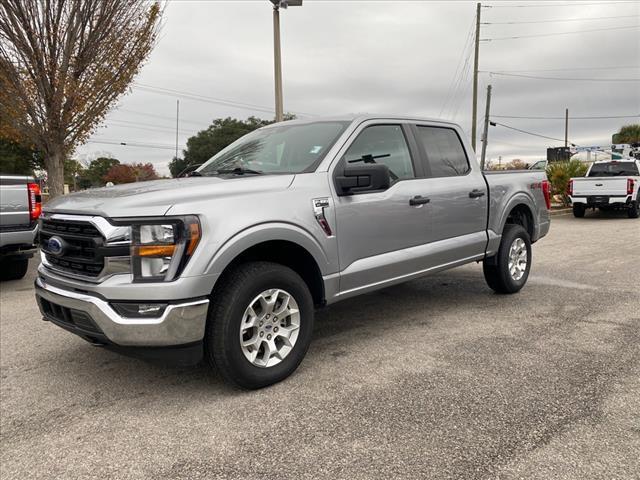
(161, 248)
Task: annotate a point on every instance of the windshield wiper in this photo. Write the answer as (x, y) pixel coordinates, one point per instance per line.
(368, 158)
(238, 171)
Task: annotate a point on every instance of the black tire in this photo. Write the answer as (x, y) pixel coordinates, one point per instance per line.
(578, 210)
(13, 268)
(634, 210)
(496, 268)
(229, 302)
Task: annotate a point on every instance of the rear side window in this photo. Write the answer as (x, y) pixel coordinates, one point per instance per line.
(383, 144)
(445, 153)
(614, 169)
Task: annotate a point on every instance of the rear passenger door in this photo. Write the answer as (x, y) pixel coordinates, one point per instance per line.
(457, 192)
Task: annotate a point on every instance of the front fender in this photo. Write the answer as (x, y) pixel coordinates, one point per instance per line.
(265, 232)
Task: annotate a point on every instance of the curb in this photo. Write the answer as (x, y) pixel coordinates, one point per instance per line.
(560, 211)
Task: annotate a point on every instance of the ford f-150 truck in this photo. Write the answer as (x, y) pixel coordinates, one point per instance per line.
(608, 185)
(20, 206)
(229, 263)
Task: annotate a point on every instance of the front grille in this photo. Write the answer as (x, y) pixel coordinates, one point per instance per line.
(74, 319)
(82, 252)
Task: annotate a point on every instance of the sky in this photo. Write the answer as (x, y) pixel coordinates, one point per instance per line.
(411, 58)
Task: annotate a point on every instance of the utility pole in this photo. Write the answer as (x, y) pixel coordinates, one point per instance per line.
(474, 113)
(485, 135)
(177, 123)
(277, 62)
(566, 127)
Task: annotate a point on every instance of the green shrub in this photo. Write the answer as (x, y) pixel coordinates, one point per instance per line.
(559, 174)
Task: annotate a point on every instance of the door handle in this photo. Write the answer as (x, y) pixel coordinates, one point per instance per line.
(475, 193)
(419, 200)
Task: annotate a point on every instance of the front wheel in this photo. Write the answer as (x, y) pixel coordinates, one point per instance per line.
(578, 210)
(260, 324)
(508, 270)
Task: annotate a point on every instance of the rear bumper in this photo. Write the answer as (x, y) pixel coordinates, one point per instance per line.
(92, 318)
(18, 242)
(602, 200)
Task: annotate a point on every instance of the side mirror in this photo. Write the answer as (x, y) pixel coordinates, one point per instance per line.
(363, 178)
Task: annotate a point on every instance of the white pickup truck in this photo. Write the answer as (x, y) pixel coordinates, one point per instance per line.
(608, 185)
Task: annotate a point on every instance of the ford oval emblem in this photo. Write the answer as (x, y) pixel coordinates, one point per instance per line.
(55, 246)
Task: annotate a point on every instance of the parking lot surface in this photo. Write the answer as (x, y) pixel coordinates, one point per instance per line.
(436, 378)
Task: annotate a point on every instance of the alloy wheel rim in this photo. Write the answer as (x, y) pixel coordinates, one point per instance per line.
(518, 259)
(270, 327)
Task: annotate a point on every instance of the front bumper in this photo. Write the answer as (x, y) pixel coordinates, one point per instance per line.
(92, 318)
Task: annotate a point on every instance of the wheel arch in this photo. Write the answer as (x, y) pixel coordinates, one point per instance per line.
(283, 244)
(519, 211)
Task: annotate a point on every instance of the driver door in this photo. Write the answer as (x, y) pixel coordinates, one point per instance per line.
(380, 234)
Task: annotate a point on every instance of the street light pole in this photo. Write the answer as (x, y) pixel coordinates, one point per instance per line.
(277, 63)
(277, 56)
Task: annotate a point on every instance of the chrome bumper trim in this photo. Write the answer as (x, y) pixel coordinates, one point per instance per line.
(179, 324)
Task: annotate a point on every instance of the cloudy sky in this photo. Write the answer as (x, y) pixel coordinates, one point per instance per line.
(402, 57)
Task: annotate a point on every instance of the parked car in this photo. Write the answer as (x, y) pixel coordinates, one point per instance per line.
(608, 185)
(20, 207)
(539, 165)
(230, 264)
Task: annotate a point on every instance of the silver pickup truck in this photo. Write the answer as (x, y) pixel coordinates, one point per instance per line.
(230, 263)
(20, 206)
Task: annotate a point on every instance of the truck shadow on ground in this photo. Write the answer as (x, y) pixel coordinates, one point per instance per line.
(600, 215)
(338, 328)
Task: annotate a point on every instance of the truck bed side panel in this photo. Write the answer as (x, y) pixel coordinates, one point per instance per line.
(508, 190)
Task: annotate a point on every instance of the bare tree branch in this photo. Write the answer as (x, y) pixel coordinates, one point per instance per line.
(64, 64)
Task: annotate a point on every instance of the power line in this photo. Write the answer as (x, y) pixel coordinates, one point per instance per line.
(588, 19)
(130, 144)
(578, 79)
(144, 126)
(204, 98)
(566, 69)
(165, 117)
(530, 133)
(461, 69)
(548, 4)
(560, 33)
(600, 117)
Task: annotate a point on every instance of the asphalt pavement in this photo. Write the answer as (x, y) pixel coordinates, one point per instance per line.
(437, 378)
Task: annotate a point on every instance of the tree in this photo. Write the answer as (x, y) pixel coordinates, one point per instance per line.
(627, 134)
(516, 164)
(17, 159)
(177, 165)
(559, 174)
(222, 132)
(73, 170)
(63, 64)
(98, 169)
(131, 172)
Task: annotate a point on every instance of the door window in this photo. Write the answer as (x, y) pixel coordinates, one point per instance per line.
(384, 144)
(445, 154)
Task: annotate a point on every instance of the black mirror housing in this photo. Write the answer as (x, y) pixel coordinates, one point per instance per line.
(363, 178)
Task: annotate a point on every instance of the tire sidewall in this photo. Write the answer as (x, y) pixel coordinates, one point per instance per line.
(511, 233)
(227, 333)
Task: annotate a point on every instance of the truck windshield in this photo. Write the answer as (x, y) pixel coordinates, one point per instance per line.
(614, 169)
(286, 148)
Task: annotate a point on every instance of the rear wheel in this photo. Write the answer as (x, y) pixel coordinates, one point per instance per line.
(578, 210)
(508, 270)
(634, 210)
(260, 324)
(13, 268)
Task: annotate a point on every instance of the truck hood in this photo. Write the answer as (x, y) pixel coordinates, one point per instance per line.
(155, 198)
